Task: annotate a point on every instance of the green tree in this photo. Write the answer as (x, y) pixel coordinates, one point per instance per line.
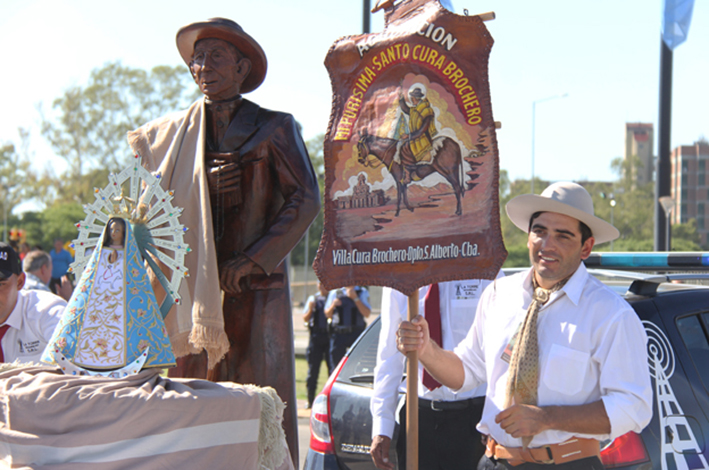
(88, 124)
(517, 255)
(632, 214)
(14, 172)
(504, 183)
(43, 227)
(87, 127)
(514, 238)
(685, 237)
(317, 158)
(31, 223)
(54, 222)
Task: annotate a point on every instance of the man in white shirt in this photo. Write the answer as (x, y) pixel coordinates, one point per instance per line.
(37, 266)
(584, 379)
(27, 317)
(447, 435)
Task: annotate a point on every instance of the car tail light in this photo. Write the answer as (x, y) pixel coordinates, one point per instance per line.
(627, 449)
(320, 426)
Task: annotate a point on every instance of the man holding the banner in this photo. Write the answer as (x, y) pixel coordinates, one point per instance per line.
(447, 437)
(563, 355)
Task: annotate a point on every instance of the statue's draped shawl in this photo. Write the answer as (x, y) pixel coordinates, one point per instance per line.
(173, 146)
(112, 316)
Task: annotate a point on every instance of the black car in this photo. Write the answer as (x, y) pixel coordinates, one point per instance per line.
(675, 311)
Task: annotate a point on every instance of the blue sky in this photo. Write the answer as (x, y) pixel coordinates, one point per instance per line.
(604, 54)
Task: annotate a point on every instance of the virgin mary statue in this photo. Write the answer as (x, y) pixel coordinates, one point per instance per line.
(112, 325)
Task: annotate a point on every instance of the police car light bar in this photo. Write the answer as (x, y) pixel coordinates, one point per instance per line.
(649, 261)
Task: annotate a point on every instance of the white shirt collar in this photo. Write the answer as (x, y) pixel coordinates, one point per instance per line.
(15, 318)
(573, 287)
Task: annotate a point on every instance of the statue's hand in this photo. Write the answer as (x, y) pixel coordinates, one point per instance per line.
(233, 271)
(223, 177)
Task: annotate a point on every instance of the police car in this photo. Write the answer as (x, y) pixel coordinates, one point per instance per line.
(670, 294)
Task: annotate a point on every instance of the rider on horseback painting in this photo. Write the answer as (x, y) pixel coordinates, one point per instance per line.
(411, 119)
(422, 130)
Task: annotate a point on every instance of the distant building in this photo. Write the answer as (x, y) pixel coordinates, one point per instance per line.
(690, 185)
(362, 196)
(374, 199)
(639, 140)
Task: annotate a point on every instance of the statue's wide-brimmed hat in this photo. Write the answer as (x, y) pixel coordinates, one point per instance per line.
(416, 93)
(564, 198)
(227, 30)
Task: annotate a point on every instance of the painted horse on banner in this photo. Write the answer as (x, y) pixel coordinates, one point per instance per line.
(446, 161)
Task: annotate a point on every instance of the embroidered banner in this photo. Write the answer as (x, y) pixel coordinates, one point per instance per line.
(411, 162)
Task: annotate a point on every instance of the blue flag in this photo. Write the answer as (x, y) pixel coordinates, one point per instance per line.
(448, 5)
(677, 15)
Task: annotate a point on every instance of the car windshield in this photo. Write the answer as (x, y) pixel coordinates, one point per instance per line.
(359, 367)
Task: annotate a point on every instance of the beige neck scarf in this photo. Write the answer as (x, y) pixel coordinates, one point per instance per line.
(523, 376)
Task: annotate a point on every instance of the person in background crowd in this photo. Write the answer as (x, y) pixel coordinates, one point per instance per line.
(27, 317)
(24, 249)
(319, 340)
(37, 266)
(61, 259)
(346, 308)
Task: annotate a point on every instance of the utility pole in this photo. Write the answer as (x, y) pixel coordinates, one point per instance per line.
(662, 172)
(366, 15)
(534, 120)
(677, 15)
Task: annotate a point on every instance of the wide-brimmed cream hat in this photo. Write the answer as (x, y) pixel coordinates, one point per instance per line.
(564, 198)
(229, 31)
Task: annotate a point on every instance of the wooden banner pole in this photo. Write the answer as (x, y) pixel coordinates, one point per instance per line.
(412, 396)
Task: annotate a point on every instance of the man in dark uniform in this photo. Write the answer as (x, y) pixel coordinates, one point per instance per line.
(319, 341)
(346, 308)
(243, 175)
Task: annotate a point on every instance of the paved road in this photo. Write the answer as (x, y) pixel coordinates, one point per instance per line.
(300, 336)
(303, 435)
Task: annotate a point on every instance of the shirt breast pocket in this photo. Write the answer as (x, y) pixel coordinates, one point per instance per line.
(565, 369)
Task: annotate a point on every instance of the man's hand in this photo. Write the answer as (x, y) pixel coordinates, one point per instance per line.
(363, 309)
(233, 271)
(223, 177)
(444, 366)
(380, 452)
(330, 310)
(523, 420)
(65, 288)
(413, 336)
(528, 420)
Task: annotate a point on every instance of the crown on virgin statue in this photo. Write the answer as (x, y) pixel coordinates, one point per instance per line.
(126, 208)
